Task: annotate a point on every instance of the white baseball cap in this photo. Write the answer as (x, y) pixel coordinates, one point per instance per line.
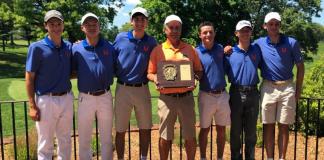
(243, 23)
(139, 10)
(88, 15)
(272, 15)
(53, 14)
(172, 18)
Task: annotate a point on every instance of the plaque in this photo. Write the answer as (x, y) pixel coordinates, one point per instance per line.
(175, 74)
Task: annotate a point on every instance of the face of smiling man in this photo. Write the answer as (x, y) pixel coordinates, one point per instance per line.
(91, 27)
(272, 27)
(173, 31)
(54, 27)
(139, 23)
(207, 35)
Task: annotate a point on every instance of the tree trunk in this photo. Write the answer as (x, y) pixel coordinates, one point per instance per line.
(12, 39)
(3, 45)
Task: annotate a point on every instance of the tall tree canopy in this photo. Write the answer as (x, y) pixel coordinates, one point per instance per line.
(296, 18)
(30, 14)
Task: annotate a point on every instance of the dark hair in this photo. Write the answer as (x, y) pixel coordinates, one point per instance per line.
(205, 23)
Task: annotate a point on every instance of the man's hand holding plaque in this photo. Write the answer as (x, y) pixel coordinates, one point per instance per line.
(173, 74)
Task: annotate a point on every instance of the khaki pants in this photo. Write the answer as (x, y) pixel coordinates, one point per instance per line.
(172, 107)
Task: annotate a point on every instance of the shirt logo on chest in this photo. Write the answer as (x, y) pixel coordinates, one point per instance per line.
(66, 53)
(105, 52)
(220, 54)
(283, 50)
(145, 48)
(253, 57)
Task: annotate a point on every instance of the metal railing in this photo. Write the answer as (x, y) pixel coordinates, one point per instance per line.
(11, 112)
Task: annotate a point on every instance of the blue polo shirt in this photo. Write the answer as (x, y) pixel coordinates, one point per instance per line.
(278, 59)
(213, 68)
(132, 57)
(51, 65)
(94, 65)
(242, 66)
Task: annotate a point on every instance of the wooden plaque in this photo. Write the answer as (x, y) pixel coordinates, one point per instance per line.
(175, 74)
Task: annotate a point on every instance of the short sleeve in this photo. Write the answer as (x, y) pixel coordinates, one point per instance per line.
(152, 66)
(33, 58)
(297, 56)
(74, 59)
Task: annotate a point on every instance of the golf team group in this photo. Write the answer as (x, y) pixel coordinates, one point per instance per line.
(133, 60)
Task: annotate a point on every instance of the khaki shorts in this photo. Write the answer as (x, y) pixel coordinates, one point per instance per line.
(214, 105)
(278, 102)
(128, 98)
(171, 107)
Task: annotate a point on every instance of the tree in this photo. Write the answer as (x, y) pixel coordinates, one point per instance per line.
(6, 22)
(125, 27)
(296, 17)
(30, 14)
(313, 88)
(110, 33)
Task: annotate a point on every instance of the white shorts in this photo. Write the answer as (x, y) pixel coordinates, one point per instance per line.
(214, 105)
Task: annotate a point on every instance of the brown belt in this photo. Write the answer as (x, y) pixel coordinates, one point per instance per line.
(245, 88)
(219, 91)
(57, 94)
(280, 82)
(131, 85)
(97, 93)
(179, 95)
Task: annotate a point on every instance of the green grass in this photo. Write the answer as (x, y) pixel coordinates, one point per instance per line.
(12, 85)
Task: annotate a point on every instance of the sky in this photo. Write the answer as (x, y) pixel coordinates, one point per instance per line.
(320, 19)
(123, 13)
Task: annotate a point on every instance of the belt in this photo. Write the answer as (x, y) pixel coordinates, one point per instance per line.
(57, 94)
(245, 88)
(131, 85)
(280, 82)
(218, 91)
(98, 92)
(179, 95)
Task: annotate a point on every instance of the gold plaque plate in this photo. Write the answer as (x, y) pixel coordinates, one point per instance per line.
(175, 74)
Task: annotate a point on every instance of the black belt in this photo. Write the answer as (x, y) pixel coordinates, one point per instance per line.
(98, 92)
(131, 85)
(57, 94)
(245, 88)
(219, 91)
(179, 95)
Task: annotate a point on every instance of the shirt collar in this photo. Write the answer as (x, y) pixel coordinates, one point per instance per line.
(281, 39)
(51, 44)
(203, 49)
(86, 45)
(238, 49)
(167, 45)
(131, 36)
